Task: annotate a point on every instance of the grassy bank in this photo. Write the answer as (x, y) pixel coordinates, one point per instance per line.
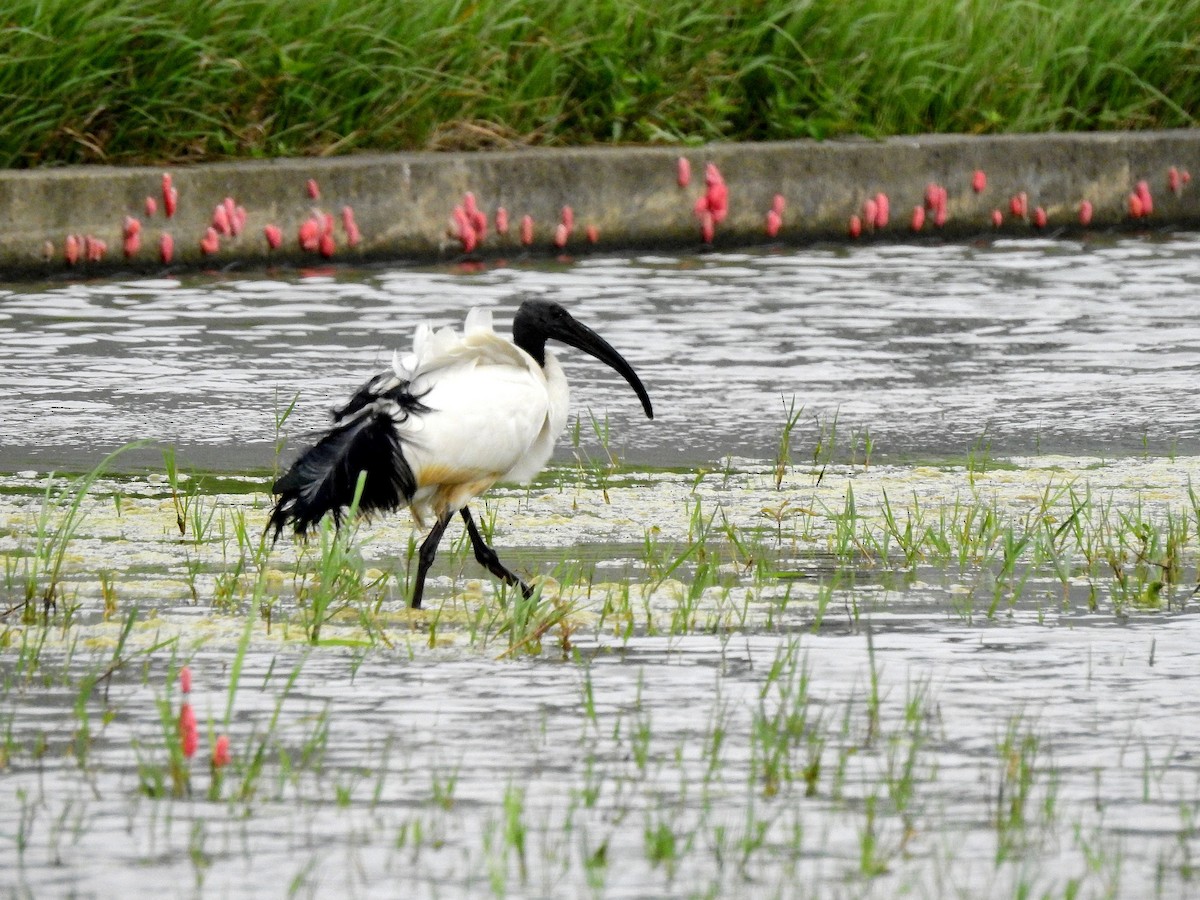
(130, 81)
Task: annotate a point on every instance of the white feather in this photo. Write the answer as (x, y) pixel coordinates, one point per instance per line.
(494, 413)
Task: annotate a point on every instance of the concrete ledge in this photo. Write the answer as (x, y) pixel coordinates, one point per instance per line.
(403, 202)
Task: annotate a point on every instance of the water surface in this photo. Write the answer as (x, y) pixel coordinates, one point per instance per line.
(1023, 345)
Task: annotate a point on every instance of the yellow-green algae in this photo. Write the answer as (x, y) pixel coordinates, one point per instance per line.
(609, 563)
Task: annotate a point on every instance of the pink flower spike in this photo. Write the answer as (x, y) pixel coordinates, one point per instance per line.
(561, 233)
(684, 172)
(71, 250)
(1085, 213)
(273, 235)
(997, 218)
(526, 230)
(1039, 217)
(593, 234)
(166, 248)
(132, 244)
(940, 215)
(918, 218)
(131, 227)
(978, 181)
(778, 204)
(189, 737)
(313, 190)
(1135, 206)
(1019, 205)
(326, 244)
(708, 227)
(237, 220)
(501, 220)
(855, 227)
(211, 242)
(568, 218)
(1174, 185)
(151, 207)
(774, 222)
(185, 679)
(220, 753)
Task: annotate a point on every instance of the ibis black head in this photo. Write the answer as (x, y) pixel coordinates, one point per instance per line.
(539, 320)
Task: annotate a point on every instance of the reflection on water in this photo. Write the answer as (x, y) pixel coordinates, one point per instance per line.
(1033, 344)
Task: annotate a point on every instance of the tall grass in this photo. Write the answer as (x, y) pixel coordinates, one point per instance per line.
(159, 81)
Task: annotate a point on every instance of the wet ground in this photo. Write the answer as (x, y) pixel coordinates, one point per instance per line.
(946, 648)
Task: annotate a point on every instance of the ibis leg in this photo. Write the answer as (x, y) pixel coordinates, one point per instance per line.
(425, 557)
(487, 557)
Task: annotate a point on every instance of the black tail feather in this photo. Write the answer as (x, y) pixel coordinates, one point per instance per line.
(324, 478)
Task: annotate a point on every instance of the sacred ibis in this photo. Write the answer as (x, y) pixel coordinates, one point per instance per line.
(443, 425)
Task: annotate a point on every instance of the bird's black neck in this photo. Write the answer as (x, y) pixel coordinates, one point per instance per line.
(530, 338)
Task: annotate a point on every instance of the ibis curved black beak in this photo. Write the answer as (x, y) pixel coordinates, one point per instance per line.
(538, 320)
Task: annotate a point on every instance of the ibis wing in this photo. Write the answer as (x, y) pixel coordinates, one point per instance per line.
(325, 476)
(482, 421)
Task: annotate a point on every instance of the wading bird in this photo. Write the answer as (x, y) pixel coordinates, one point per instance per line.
(443, 425)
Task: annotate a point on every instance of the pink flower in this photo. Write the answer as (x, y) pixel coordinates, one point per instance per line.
(220, 753)
(189, 737)
(185, 679)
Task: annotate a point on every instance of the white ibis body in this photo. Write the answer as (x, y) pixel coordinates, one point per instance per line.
(443, 425)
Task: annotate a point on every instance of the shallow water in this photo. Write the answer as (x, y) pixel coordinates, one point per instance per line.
(1027, 346)
(817, 718)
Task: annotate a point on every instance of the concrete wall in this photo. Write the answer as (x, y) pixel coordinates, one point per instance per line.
(403, 202)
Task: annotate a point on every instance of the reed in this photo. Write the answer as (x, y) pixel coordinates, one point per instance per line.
(146, 81)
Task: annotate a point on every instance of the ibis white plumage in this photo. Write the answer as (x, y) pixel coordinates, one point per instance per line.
(445, 423)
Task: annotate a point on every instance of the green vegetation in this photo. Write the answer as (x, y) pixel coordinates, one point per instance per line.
(153, 81)
(780, 683)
